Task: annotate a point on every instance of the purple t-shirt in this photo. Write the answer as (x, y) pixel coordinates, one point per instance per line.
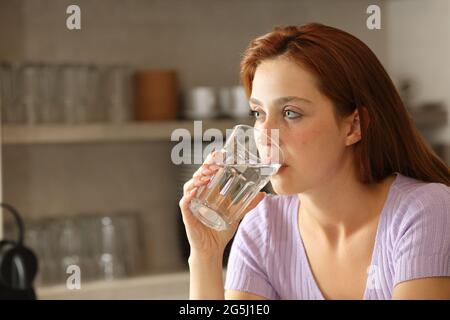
(268, 258)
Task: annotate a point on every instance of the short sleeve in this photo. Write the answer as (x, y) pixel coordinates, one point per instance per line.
(422, 248)
(246, 266)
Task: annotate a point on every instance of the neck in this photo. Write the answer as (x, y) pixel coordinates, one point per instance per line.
(341, 205)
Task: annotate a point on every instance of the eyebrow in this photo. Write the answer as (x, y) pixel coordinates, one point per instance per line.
(281, 100)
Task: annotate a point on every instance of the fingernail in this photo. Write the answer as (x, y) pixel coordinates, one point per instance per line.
(205, 178)
(199, 183)
(193, 191)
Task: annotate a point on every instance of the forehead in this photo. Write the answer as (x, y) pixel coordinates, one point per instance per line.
(281, 77)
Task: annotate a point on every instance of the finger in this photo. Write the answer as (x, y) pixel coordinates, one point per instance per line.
(201, 182)
(188, 186)
(202, 171)
(210, 164)
(207, 169)
(184, 202)
(196, 182)
(212, 157)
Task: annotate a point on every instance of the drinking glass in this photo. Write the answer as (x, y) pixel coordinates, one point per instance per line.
(248, 159)
(12, 110)
(117, 89)
(75, 91)
(95, 107)
(110, 260)
(29, 92)
(50, 111)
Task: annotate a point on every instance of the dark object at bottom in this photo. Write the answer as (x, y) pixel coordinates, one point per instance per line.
(9, 294)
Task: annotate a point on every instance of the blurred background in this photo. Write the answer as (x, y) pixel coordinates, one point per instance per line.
(87, 117)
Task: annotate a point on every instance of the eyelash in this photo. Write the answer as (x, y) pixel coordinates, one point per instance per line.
(252, 113)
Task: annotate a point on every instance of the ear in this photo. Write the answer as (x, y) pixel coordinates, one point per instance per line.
(354, 132)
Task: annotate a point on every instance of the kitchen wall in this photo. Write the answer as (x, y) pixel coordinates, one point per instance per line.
(202, 40)
(11, 40)
(418, 46)
(12, 29)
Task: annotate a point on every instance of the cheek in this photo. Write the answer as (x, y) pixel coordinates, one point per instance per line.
(313, 147)
(303, 143)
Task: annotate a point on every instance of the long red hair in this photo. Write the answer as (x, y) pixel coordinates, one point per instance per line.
(350, 74)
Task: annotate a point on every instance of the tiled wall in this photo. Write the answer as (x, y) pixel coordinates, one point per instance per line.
(12, 29)
(202, 39)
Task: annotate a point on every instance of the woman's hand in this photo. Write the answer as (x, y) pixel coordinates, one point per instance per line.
(204, 241)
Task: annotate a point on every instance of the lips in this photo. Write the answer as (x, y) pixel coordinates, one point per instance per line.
(282, 168)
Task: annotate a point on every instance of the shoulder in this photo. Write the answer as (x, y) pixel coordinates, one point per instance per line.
(420, 191)
(419, 207)
(418, 224)
(413, 199)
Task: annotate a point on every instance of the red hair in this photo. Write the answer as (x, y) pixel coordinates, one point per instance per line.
(350, 74)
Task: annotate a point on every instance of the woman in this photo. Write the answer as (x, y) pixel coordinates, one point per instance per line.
(362, 209)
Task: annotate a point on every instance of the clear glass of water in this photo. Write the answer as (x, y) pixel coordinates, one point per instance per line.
(246, 163)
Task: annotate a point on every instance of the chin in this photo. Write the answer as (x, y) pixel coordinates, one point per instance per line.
(284, 183)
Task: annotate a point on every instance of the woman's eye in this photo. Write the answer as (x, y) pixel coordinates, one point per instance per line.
(254, 113)
(291, 114)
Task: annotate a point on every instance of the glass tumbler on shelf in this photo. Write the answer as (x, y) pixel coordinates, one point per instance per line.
(74, 93)
(249, 158)
(69, 245)
(89, 246)
(110, 258)
(68, 97)
(117, 92)
(50, 111)
(13, 111)
(5, 92)
(49, 251)
(30, 97)
(95, 108)
(130, 250)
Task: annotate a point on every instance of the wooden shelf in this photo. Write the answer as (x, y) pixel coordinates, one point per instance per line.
(104, 132)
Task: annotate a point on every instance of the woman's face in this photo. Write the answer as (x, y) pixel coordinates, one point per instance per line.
(285, 97)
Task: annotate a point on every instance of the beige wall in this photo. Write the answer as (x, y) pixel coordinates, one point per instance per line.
(12, 29)
(418, 45)
(11, 48)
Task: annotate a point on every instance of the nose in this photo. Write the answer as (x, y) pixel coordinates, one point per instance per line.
(271, 129)
(268, 139)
